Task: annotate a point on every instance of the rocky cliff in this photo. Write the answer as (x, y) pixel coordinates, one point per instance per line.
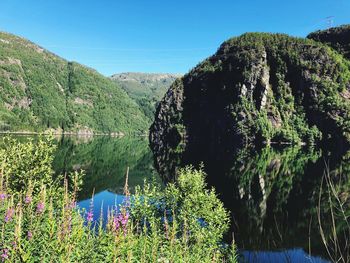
(256, 89)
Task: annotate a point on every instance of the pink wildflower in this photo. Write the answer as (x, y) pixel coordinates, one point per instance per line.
(4, 256)
(28, 199)
(40, 207)
(2, 196)
(90, 216)
(120, 221)
(9, 214)
(116, 223)
(69, 223)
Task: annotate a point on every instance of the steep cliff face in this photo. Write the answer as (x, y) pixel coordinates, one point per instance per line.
(257, 88)
(337, 37)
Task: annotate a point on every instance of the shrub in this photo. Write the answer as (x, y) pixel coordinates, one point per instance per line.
(197, 211)
(26, 165)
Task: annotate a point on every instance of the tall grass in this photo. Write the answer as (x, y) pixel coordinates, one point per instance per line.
(40, 221)
(335, 226)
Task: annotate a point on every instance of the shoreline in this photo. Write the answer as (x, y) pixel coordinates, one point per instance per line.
(116, 134)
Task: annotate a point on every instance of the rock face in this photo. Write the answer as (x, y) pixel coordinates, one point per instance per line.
(337, 37)
(258, 88)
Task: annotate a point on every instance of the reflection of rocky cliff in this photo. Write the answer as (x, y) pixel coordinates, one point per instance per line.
(105, 161)
(269, 192)
(272, 193)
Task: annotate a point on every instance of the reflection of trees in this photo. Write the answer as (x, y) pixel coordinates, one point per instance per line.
(283, 210)
(272, 193)
(277, 193)
(272, 196)
(270, 174)
(105, 161)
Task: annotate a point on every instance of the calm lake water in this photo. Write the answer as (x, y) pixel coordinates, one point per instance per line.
(273, 194)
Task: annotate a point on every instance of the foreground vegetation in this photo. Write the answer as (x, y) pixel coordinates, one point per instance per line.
(41, 222)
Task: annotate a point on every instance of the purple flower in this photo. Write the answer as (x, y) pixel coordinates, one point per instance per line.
(4, 254)
(116, 223)
(124, 219)
(90, 216)
(40, 207)
(2, 196)
(28, 199)
(9, 214)
(29, 235)
(120, 221)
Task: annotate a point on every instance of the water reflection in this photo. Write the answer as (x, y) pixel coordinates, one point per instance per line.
(290, 256)
(102, 202)
(273, 194)
(105, 160)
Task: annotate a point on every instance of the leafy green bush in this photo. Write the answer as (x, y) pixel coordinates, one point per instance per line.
(26, 165)
(195, 209)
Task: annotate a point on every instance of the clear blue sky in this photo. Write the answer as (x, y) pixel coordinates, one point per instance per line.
(157, 35)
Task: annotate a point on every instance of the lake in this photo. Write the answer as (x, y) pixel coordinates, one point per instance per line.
(274, 195)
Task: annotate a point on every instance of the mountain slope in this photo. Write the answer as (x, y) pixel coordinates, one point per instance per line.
(40, 90)
(258, 88)
(337, 37)
(146, 89)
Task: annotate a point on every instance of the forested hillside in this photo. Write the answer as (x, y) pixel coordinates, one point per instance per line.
(336, 37)
(41, 91)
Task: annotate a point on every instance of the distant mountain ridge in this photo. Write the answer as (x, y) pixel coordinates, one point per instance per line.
(147, 89)
(148, 78)
(41, 91)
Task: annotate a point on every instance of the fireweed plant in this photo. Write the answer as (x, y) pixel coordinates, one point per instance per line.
(40, 221)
